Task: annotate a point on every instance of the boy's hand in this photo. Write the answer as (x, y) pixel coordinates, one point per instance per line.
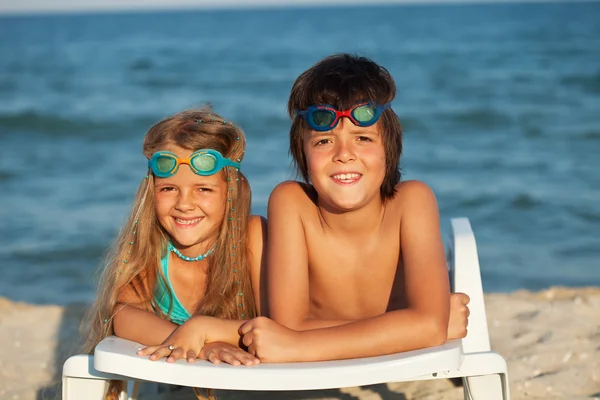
(186, 341)
(270, 341)
(218, 352)
(459, 316)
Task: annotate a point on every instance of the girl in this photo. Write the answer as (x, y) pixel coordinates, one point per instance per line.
(189, 254)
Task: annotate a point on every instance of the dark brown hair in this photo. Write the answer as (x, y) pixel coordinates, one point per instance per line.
(342, 80)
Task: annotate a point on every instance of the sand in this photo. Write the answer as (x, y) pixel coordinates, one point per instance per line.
(550, 339)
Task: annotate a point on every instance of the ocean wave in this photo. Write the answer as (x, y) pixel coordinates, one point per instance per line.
(480, 118)
(589, 83)
(588, 135)
(60, 126)
(524, 201)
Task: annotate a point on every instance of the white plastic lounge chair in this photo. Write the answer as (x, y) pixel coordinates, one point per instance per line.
(484, 372)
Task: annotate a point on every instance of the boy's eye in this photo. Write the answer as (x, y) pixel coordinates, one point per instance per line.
(364, 139)
(322, 141)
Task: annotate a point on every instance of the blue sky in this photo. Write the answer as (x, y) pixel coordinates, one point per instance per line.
(19, 6)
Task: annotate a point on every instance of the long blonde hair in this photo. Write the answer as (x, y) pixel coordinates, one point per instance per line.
(134, 259)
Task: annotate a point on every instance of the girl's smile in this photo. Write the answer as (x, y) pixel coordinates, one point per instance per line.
(185, 223)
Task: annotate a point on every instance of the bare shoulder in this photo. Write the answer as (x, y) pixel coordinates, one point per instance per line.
(257, 233)
(257, 226)
(292, 195)
(410, 194)
(415, 201)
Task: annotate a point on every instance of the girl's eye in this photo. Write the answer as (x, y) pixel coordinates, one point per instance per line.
(322, 141)
(204, 190)
(167, 189)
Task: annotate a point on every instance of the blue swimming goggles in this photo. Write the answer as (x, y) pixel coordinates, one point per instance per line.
(323, 117)
(203, 162)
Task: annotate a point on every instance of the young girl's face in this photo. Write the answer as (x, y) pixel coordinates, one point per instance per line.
(190, 207)
(346, 165)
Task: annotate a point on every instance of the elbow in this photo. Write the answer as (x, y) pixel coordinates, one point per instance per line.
(438, 332)
(118, 320)
(291, 323)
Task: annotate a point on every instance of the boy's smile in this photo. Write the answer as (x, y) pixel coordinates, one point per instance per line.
(346, 165)
(346, 178)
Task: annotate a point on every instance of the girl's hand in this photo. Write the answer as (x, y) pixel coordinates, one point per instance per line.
(459, 316)
(186, 341)
(219, 351)
(270, 341)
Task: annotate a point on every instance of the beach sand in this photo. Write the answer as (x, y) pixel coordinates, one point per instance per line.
(551, 340)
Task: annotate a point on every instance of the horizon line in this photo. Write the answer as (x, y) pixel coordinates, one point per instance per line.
(156, 5)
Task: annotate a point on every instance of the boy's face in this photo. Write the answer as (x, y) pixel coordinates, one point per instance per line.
(346, 165)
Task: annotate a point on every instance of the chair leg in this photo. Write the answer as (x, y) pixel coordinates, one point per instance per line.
(486, 387)
(74, 388)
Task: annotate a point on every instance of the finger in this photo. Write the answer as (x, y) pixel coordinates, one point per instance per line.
(162, 351)
(248, 339)
(244, 357)
(229, 358)
(252, 350)
(191, 356)
(147, 350)
(467, 311)
(212, 357)
(247, 358)
(176, 355)
(245, 328)
(465, 298)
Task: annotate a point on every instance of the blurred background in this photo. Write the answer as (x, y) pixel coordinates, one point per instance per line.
(500, 103)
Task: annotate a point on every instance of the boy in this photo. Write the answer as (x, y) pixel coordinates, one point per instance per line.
(356, 264)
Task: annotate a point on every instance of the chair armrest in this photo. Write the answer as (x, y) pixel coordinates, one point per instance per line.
(118, 356)
(465, 276)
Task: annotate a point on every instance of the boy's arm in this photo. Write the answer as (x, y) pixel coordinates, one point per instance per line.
(257, 255)
(287, 261)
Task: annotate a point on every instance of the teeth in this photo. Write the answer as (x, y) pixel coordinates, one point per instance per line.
(187, 221)
(345, 177)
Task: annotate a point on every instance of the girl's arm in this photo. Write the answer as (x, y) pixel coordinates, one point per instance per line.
(141, 326)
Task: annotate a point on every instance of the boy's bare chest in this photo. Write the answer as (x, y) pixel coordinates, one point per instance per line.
(352, 277)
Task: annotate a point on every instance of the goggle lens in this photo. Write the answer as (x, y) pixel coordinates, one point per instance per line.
(165, 164)
(323, 117)
(365, 113)
(204, 162)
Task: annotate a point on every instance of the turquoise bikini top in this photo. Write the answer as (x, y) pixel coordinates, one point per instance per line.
(162, 299)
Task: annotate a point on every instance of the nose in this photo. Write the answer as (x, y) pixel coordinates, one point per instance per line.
(344, 150)
(185, 201)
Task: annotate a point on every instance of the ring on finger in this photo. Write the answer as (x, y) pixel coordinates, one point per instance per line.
(171, 347)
